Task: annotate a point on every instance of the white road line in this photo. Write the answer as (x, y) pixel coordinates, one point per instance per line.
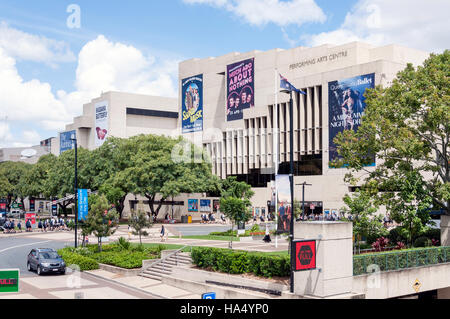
(13, 247)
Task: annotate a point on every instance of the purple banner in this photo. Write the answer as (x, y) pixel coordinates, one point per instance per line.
(240, 88)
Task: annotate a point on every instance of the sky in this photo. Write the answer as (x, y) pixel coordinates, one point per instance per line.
(57, 55)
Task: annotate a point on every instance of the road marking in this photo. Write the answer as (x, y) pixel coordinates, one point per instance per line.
(35, 243)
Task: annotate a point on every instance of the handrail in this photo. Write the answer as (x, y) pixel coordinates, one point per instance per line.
(168, 256)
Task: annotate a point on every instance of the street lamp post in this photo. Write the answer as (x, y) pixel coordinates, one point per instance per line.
(74, 139)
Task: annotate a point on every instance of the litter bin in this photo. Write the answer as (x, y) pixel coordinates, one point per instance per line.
(189, 219)
(184, 219)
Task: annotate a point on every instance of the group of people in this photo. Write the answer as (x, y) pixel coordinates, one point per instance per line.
(9, 227)
(211, 218)
(53, 224)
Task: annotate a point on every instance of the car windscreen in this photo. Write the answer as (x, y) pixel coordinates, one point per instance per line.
(48, 255)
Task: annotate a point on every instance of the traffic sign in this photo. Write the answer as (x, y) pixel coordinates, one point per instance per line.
(209, 295)
(417, 285)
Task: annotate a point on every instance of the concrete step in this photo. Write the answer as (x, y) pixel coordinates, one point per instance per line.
(161, 267)
(187, 258)
(175, 262)
(158, 271)
(150, 276)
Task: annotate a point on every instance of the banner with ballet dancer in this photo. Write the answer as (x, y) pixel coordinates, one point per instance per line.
(240, 88)
(346, 107)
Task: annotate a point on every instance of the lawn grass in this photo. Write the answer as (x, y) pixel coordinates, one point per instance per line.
(209, 237)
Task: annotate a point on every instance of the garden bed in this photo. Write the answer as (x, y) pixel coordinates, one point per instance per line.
(128, 257)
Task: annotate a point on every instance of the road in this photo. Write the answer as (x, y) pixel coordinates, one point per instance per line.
(13, 255)
(14, 250)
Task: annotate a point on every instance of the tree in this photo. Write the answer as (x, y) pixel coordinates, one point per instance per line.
(235, 201)
(102, 221)
(139, 222)
(363, 210)
(105, 167)
(61, 177)
(14, 173)
(156, 170)
(407, 126)
(35, 180)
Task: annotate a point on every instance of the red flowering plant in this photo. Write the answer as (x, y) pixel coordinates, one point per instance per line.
(380, 244)
(400, 246)
(435, 242)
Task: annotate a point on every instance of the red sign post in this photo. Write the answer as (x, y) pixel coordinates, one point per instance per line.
(305, 255)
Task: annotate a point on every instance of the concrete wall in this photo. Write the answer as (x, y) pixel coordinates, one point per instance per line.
(399, 283)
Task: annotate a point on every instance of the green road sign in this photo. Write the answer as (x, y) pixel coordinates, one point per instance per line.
(9, 280)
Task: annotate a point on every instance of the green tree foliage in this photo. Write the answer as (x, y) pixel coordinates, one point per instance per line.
(156, 169)
(139, 222)
(102, 221)
(366, 223)
(13, 173)
(235, 200)
(34, 181)
(407, 126)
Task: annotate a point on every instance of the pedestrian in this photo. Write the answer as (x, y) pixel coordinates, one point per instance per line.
(45, 225)
(19, 226)
(129, 232)
(13, 227)
(40, 225)
(266, 238)
(28, 225)
(162, 232)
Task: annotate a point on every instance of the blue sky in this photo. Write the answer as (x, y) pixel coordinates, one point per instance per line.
(49, 70)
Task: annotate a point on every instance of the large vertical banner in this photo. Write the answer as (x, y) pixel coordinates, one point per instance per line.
(240, 88)
(192, 104)
(346, 106)
(101, 122)
(284, 203)
(65, 141)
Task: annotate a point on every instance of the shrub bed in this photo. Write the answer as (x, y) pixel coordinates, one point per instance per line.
(72, 258)
(123, 256)
(239, 262)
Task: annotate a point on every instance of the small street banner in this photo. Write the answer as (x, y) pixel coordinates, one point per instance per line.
(305, 255)
(82, 204)
(9, 280)
(65, 141)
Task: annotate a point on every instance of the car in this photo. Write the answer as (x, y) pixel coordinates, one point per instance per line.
(45, 260)
(15, 213)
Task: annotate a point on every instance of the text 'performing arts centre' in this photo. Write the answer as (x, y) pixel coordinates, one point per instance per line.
(227, 105)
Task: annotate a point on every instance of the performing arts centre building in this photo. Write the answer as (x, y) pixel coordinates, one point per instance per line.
(227, 103)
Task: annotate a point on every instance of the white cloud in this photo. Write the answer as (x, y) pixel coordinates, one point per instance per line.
(102, 66)
(261, 12)
(413, 23)
(25, 46)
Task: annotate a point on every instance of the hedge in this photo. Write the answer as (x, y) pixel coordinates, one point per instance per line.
(401, 259)
(239, 262)
(71, 258)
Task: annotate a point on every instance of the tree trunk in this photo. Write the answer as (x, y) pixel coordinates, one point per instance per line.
(121, 206)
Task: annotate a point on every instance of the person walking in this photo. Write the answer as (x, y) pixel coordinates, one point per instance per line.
(19, 226)
(40, 226)
(162, 232)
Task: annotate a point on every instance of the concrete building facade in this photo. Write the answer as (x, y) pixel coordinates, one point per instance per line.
(244, 147)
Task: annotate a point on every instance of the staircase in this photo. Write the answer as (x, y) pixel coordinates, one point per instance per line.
(164, 266)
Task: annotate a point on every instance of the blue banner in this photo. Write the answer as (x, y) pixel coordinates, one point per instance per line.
(192, 104)
(82, 204)
(65, 141)
(346, 107)
(240, 88)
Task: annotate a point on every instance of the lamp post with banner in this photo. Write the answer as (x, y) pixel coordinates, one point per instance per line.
(74, 140)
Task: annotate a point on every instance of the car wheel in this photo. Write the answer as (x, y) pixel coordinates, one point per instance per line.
(38, 270)
(63, 272)
(29, 267)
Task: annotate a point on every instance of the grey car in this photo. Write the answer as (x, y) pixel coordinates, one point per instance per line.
(45, 260)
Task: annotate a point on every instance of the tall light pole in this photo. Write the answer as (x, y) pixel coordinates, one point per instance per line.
(74, 139)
